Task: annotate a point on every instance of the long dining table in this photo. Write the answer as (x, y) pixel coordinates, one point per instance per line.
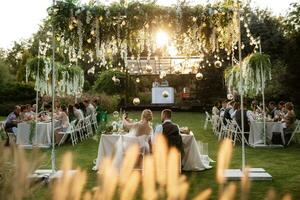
(38, 135)
(191, 161)
(256, 135)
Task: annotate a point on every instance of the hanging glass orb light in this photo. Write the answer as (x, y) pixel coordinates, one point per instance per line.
(165, 94)
(148, 68)
(199, 76)
(218, 64)
(113, 78)
(230, 96)
(136, 101)
(137, 80)
(162, 74)
(115, 114)
(177, 70)
(117, 81)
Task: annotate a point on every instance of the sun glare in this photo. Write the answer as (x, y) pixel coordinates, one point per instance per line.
(162, 38)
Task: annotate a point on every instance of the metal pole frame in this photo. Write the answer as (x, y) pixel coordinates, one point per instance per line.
(53, 98)
(263, 94)
(241, 90)
(37, 89)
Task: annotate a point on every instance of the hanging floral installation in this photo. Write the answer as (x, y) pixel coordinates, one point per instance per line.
(70, 79)
(256, 70)
(99, 34)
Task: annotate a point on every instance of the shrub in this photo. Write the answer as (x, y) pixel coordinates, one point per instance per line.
(5, 76)
(145, 98)
(104, 83)
(109, 103)
(13, 94)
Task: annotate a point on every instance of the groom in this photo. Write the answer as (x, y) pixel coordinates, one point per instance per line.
(170, 131)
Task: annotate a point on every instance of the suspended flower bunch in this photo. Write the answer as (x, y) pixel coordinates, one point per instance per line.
(256, 71)
(121, 31)
(69, 79)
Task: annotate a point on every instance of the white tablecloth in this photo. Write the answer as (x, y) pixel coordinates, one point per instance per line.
(158, 98)
(41, 135)
(256, 135)
(192, 160)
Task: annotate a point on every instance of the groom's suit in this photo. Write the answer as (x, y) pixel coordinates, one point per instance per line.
(172, 135)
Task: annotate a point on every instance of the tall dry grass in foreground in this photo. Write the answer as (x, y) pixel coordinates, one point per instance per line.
(160, 178)
(14, 169)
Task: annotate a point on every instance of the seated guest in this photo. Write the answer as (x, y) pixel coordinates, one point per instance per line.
(155, 83)
(228, 111)
(89, 108)
(23, 116)
(272, 109)
(223, 108)
(29, 114)
(236, 106)
(289, 118)
(11, 122)
(165, 83)
(170, 131)
(82, 107)
(246, 117)
(78, 112)
(280, 112)
(64, 123)
(255, 107)
(71, 113)
(32, 110)
(215, 109)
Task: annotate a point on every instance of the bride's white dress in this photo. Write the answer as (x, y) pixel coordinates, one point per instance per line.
(127, 140)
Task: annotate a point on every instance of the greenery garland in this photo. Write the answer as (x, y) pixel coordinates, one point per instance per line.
(32, 131)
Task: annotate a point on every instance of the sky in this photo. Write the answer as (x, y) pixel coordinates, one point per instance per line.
(19, 19)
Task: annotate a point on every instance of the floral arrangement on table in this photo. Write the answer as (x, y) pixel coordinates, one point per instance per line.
(32, 130)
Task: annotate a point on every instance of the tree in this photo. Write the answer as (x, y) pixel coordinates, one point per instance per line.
(291, 54)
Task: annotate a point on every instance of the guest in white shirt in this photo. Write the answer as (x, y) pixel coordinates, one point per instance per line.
(78, 113)
(63, 118)
(89, 108)
(235, 107)
(215, 109)
(228, 111)
(155, 83)
(222, 110)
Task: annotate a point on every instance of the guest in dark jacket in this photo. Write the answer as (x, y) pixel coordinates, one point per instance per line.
(238, 118)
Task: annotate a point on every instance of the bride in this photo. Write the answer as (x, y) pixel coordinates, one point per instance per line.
(139, 133)
(140, 128)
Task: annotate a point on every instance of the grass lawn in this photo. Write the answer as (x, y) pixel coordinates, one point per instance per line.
(282, 164)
